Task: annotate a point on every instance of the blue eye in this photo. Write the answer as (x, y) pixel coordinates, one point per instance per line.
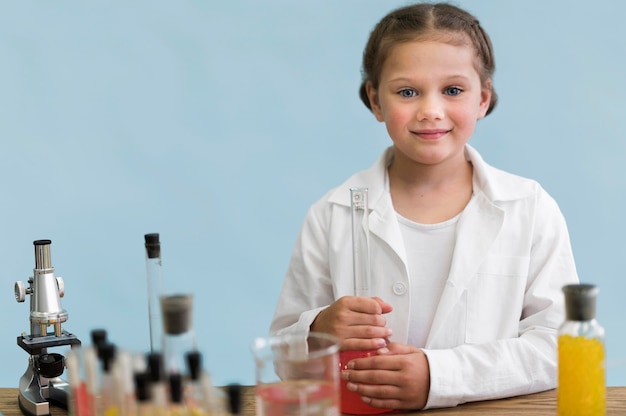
(452, 91)
(407, 93)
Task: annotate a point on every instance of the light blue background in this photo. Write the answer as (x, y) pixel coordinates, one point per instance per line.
(217, 124)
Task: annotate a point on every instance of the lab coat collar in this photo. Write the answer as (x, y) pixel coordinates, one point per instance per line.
(494, 184)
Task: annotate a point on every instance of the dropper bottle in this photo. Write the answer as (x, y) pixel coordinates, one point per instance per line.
(176, 405)
(110, 404)
(154, 281)
(143, 394)
(192, 389)
(581, 388)
(158, 388)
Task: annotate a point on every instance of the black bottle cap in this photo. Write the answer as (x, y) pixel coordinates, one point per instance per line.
(194, 364)
(234, 398)
(107, 351)
(176, 388)
(155, 366)
(42, 242)
(580, 302)
(153, 245)
(98, 339)
(142, 387)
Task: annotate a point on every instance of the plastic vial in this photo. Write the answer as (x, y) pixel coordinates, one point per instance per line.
(154, 280)
(178, 336)
(581, 358)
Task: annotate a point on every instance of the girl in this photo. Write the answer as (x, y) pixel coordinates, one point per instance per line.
(468, 261)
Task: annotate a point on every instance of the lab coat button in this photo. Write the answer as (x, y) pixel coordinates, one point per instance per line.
(399, 288)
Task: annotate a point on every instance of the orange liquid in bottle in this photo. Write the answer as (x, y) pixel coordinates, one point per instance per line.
(351, 402)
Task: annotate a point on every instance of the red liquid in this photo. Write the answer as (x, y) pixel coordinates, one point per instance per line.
(81, 400)
(351, 402)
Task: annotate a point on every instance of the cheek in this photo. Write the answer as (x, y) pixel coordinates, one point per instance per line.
(464, 118)
(398, 116)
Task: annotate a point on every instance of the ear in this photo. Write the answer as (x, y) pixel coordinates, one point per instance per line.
(485, 99)
(372, 94)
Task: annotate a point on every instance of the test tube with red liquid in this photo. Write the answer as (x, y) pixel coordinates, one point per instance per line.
(351, 402)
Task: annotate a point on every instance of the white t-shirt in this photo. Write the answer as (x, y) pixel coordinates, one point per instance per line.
(429, 249)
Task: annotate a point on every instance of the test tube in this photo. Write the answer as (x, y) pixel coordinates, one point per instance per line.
(360, 241)
(153, 270)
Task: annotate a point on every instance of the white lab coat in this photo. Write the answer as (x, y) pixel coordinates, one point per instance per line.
(494, 331)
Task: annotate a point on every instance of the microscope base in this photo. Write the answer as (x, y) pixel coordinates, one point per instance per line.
(34, 398)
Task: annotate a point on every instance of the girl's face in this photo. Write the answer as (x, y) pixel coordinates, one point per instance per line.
(430, 97)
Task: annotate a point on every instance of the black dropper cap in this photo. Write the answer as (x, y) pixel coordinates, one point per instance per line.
(176, 388)
(98, 335)
(194, 364)
(142, 387)
(580, 302)
(155, 367)
(107, 351)
(234, 398)
(153, 245)
(98, 338)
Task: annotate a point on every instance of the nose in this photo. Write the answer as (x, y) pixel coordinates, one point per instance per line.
(430, 107)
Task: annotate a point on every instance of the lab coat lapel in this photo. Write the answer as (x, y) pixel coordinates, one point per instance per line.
(383, 224)
(478, 227)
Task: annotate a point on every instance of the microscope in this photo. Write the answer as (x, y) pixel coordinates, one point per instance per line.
(41, 383)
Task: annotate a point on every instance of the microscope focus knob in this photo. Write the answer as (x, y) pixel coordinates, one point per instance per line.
(20, 292)
(61, 286)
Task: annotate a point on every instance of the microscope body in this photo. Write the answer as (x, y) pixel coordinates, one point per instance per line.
(41, 382)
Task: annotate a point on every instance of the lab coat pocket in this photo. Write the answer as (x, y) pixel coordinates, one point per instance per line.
(494, 299)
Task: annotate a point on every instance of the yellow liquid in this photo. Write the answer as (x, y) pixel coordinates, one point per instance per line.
(581, 384)
(112, 411)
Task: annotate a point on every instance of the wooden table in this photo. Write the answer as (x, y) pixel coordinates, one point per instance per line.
(539, 404)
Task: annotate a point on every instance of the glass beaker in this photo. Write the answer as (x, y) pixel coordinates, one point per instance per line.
(296, 374)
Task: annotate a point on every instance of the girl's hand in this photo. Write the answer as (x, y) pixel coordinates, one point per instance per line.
(397, 378)
(357, 321)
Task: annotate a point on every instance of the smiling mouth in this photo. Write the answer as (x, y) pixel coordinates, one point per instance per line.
(429, 134)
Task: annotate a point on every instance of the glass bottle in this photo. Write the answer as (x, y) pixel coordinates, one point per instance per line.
(581, 356)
